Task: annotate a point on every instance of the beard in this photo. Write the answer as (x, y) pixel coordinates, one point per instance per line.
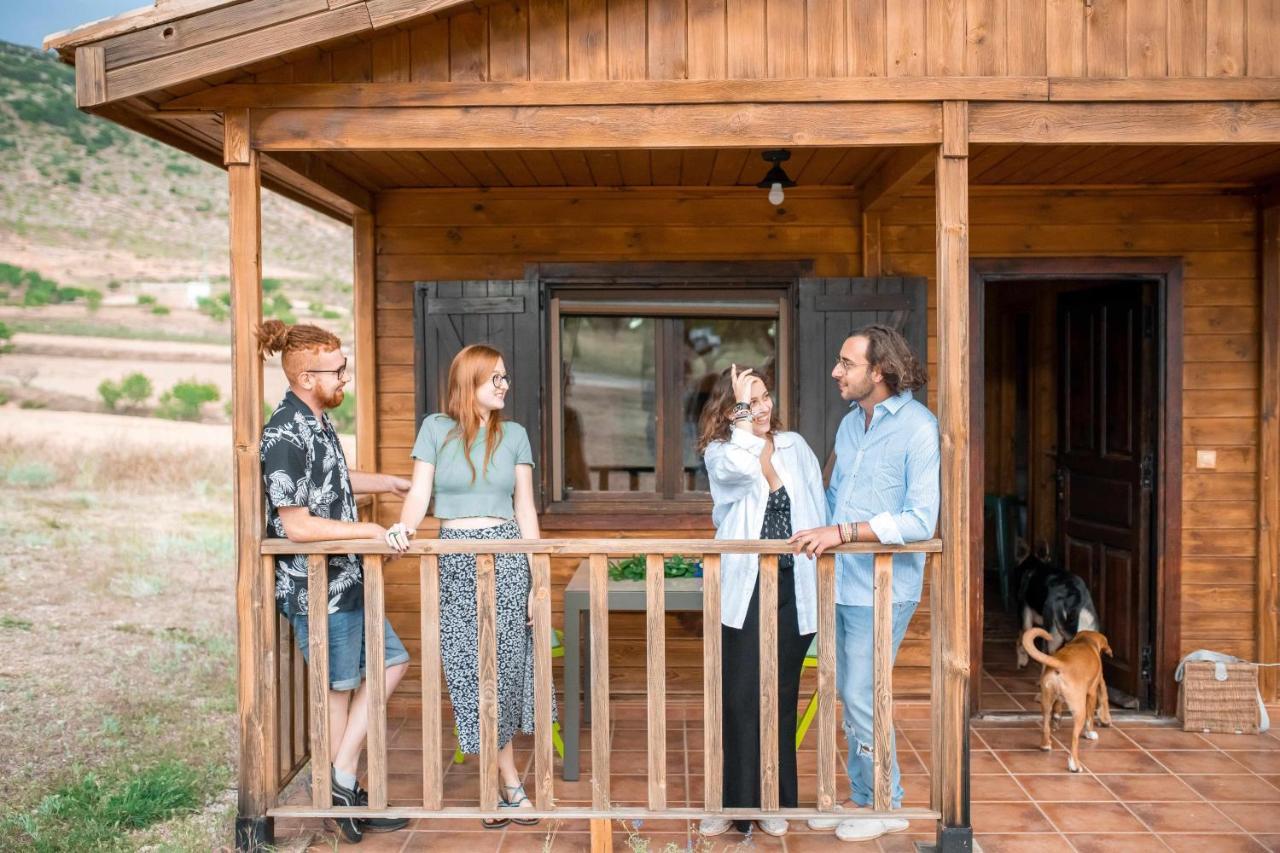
(330, 400)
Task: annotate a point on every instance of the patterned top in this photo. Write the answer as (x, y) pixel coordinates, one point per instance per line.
(303, 465)
(777, 524)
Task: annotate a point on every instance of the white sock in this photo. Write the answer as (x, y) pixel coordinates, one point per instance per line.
(346, 780)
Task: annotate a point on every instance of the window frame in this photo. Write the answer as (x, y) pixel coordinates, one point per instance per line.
(756, 292)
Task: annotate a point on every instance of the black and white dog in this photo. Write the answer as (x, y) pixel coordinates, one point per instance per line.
(1055, 599)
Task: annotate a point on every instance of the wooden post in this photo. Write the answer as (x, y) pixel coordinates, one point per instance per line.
(543, 688)
(255, 586)
(712, 689)
(656, 655)
(429, 614)
(1269, 459)
(882, 710)
(951, 620)
(601, 832)
(827, 682)
(366, 350)
(769, 682)
(487, 669)
(318, 655)
(375, 617)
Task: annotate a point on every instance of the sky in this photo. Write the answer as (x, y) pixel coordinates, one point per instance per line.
(29, 21)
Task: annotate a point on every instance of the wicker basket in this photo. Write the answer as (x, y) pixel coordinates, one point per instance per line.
(1208, 705)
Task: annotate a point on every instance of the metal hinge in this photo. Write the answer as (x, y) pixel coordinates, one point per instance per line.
(1146, 663)
(1147, 471)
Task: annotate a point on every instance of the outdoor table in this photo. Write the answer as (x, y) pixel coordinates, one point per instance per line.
(681, 594)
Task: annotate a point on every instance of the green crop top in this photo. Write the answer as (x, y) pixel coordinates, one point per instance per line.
(456, 495)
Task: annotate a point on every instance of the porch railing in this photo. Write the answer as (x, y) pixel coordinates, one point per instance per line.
(598, 552)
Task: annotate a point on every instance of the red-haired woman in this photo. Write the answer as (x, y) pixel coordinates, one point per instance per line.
(765, 484)
(480, 469)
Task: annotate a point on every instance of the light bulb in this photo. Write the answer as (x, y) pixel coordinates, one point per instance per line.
(775, 194)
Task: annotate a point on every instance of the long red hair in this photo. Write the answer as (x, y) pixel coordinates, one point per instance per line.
(470, 369)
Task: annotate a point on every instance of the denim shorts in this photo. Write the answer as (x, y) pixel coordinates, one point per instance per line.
(346, 646)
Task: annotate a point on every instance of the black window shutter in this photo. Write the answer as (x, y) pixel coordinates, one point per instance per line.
(830, 310)
(506, 315)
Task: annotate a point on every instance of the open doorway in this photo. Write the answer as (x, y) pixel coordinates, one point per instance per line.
(1073, 426)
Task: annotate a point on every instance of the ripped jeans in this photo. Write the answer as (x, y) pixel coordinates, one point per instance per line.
(855, 679)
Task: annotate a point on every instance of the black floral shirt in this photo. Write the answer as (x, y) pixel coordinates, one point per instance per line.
(303, 465)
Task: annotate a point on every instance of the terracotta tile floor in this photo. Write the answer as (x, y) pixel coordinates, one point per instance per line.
(1146, 786)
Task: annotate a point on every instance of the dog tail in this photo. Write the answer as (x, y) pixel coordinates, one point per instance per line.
(1029, 638)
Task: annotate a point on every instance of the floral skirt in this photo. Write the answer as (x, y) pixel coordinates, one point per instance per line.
(459, 646)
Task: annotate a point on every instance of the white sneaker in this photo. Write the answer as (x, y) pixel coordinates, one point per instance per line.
(867, 830)
(820, 823)
(775, 826)
(712, 826)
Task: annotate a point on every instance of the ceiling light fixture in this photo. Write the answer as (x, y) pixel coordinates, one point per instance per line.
(776, 179)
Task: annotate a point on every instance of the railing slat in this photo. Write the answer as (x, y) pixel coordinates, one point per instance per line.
(487, 667)
(600, 725)
(932, 565)
(656, 648)
(318, 655)
(768, 575)
(543, 687)
(712, 696)
(882, 710)
(827, 798)
(375, 616)
(432, 748)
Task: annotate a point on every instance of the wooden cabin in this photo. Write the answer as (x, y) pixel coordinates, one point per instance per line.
(1070, 205)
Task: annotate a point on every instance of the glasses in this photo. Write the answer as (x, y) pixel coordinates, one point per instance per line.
(500, 379)
(846, 365)
(341, 372)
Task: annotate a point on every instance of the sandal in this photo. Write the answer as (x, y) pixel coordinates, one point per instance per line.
(494, 822)
(517, 798)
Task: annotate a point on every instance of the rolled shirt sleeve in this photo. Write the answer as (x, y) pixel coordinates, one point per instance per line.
(919, 516)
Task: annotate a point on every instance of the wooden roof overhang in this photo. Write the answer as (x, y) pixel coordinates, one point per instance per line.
(173, 70)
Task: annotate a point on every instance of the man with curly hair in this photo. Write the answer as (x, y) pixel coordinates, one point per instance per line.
(311, 498)
(884, 488)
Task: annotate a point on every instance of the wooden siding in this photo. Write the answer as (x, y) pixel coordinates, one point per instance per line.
(744, 39)
(461, 234)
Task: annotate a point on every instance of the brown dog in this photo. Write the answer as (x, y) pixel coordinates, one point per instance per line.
(1072, 676)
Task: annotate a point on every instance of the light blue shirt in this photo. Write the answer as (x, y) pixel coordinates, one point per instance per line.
(887, 475)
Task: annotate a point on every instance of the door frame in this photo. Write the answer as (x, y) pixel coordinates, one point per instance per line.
(1166, 540)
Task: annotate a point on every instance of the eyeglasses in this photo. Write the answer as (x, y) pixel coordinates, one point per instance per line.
(341, 372)
(846, 365)
(500, 379)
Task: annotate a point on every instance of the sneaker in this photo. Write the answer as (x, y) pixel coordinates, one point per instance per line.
(713, 826)
(347, 827)
(865, 829)
(775, 826)
(377, 824)
(818, 824)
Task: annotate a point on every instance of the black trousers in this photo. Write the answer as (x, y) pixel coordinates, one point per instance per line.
(740, 667)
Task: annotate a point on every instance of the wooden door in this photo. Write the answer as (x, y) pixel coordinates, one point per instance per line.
(1106, 465)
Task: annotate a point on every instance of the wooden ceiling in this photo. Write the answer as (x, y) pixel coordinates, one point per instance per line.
(991, 164)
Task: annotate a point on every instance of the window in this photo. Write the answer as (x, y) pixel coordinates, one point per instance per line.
(632, 372)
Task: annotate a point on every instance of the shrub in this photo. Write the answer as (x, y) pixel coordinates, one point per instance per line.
(110, 393)
(184, 401)
(315, 307)
(146, 299)
(331, 315)
(344, 417)
(136, 388)
(93, 297)
(213, 308)
(6, 334)
(73, 176)
(159, 310)
(271, 285)
(113, 285)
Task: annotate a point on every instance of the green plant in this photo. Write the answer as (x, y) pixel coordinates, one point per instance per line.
(344, 417)
(73, 176)
(184, 400)
(31, 404)
(136, 388)
(146, 299)
(93, 298)
(271, 285)
(330, 314)
(634, 568)
(110, 393)
(159, 310)
(6, 336)
(315, 307)
(212, 308)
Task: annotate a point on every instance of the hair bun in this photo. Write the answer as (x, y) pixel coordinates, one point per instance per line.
(272, 337)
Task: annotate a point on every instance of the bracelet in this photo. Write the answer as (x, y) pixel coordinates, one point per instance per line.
(847, 532)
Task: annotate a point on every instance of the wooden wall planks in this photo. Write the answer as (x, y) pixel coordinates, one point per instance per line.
(743, 39)
(459, 234)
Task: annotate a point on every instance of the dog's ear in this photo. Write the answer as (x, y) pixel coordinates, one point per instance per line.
(1106, 647)
(1042, 550)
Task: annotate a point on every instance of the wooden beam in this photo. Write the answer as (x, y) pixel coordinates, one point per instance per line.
(1164, 89)
(1139, 123)
(125, 22)
(951, 621)
(91, 77)
(872, 259)
(364, 281)
(1268, 611)
(903, 171)
(604, 93)
(616, 127)
(255, 586)
(310, 174)
(230, 53)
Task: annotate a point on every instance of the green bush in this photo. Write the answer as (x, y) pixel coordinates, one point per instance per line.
(184, 401)
(10, 274)
(159, 310)
(213, 308)
(93, 298)
(136, 388)
(146, 299)
(331, 315)
(72, 176)
(110, 393)
(113, 285)
(271, 285)
(6, 335)
(315, 307)
(344, 417)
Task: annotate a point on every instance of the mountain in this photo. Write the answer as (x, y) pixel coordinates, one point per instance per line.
(85, 202)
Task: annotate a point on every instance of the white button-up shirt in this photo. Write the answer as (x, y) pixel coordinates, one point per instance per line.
(741, 493)
(886, 474)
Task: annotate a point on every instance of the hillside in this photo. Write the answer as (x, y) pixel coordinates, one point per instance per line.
(85, 202)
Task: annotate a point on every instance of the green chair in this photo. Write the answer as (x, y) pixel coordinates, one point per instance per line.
(1002, 514)
(810, 710)
(557, 651)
